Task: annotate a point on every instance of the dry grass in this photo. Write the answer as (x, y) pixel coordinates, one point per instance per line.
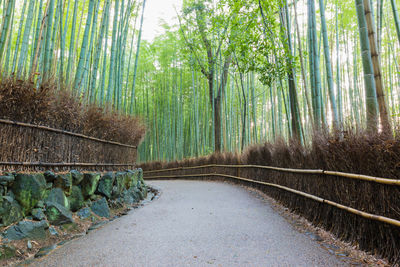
(58, 108)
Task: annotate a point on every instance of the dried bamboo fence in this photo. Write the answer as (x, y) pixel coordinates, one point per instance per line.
(28, 147)
(357, 208)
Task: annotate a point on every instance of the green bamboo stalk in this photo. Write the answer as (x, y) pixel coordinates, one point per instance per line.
(100, 41)
(131, 49)
(338, 81)
(72, 42)
(314, 65)
(8, 48)
(18, 42)
(47, 48)
(369, 81)
(137, 57)
(63, 37)
(81, 64)
(6, 26)
(86, 73)
(386, 127)
(25, 39)
(38, 24)
(55, 38)
(395, 16)
(111, 77)
(328, 66)
(104, 65)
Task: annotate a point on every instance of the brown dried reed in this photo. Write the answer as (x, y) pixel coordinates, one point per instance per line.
(59, 108)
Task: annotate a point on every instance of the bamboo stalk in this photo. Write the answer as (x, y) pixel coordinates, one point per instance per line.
(297, 192)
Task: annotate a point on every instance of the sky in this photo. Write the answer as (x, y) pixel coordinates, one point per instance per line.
(156, 11)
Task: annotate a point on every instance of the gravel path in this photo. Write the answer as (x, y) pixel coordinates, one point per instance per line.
(195, 223)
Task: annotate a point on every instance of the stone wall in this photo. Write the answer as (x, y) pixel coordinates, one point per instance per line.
(31, 204)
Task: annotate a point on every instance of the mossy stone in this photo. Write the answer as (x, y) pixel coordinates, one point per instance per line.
(77, 177)
(6, 179)
(64, 181)
(130, 196)
(100, 208)
(144, 191)
(76, 200)
(28, 190)
(133, 176)
(57, 195)
(57, 214)
(89, 184)
(84, 213)
(10, 211)
(140, 175)
(49, 176)
(26, 229)
(106, 185)
(119, 184)
(38, 214)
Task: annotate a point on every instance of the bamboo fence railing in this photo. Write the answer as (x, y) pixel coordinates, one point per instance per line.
(303, 171)
(297, 192)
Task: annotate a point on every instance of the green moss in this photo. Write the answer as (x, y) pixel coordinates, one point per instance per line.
(28, 190)
(76, 200)
(89, 184)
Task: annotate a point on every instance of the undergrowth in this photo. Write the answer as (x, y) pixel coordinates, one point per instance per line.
(59, 108)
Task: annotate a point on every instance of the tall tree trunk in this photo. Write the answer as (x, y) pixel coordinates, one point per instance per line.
(112, 71)
(293, 102)
(314, 65)
(328, 66)
(137, 58)
(385, 123)
(47, 48)
(25, 39)
(303, 72)
(79, 76)
(369, 81)
(217, 104)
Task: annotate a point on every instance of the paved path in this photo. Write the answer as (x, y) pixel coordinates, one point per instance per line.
(196, 223)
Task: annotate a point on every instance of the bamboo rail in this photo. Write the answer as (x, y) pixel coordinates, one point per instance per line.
(304, 171)
(306, 195)
(49, 129)
(61, 164)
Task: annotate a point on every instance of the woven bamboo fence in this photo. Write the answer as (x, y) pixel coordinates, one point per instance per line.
(28, 147)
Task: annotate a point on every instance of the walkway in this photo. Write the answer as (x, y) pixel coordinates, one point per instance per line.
(196, 223)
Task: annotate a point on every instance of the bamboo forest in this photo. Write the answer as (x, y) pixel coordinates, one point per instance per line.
(199, 133)
(228, 74)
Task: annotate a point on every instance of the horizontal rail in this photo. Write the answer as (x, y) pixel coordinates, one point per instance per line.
(306, 195)
(303, 171)
(61, 164)
(49, 129)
